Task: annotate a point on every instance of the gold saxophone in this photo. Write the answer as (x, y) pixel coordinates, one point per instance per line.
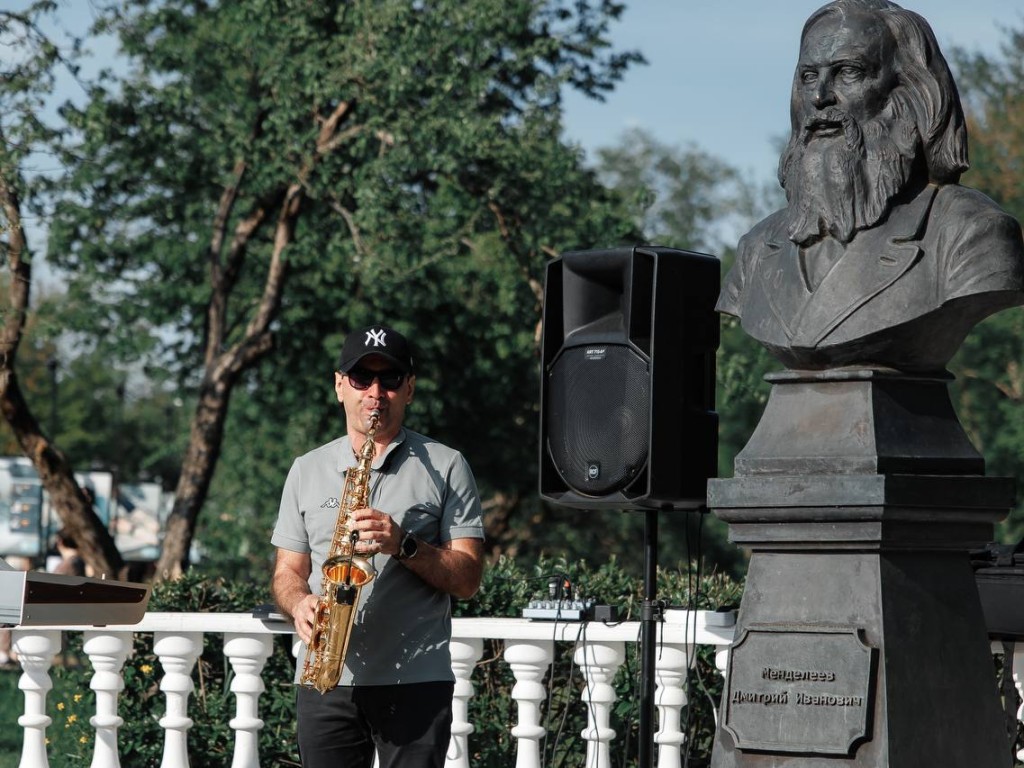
(344, 576)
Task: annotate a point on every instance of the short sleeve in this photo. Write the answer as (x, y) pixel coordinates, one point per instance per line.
(462, 517)
(290, 530)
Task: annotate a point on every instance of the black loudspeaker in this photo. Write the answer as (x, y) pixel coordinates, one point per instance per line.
(628, 379)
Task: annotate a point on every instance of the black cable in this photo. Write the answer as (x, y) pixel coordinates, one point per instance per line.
(692, 660)
(563, 579)
(696, 673)
(689, 606)
(551, 683)
(628, 725)
(551, 689)
(568, 687)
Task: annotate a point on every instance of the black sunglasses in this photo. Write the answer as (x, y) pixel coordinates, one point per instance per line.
(361, 379)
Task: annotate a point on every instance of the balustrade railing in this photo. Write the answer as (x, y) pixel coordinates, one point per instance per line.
(528, 648)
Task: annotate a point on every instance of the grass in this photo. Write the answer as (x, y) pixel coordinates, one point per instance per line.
(61, 702)
(12, 705)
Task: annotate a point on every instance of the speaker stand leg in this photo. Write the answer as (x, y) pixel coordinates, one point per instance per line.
(650, 616)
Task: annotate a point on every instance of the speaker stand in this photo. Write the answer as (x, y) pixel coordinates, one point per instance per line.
(651, 614)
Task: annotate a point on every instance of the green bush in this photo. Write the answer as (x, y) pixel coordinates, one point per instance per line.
(506, 589)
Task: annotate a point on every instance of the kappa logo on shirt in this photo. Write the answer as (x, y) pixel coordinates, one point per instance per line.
(331, 503)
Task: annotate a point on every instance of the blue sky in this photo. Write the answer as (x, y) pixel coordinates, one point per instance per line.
(719, 71)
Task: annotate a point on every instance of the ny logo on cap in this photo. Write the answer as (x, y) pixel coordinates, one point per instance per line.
(376, 337)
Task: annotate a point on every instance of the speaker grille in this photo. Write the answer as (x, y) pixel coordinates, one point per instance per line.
(598, 416)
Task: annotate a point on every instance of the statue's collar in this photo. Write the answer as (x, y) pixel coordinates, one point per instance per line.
(869, 264)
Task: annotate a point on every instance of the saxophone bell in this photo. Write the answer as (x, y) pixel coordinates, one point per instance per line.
(346, 569)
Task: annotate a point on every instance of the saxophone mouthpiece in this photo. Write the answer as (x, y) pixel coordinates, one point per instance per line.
(374, 416)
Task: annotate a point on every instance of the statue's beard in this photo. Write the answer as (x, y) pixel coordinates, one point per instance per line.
(838, 185)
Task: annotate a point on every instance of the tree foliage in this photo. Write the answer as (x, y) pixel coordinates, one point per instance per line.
(684, 198)
(29, 77)
(990, 379)
(680, 196)
(265, 175)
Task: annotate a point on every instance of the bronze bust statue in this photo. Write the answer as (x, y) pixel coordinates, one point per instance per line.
(880, 258)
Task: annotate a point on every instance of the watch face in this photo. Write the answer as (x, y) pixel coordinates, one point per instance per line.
(408, 546)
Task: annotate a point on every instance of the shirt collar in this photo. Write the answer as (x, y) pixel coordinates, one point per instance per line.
(347, 457)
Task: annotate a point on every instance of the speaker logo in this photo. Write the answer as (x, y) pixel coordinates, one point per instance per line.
(596, 353)
(593, 470)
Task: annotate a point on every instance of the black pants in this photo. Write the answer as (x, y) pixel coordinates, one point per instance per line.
(409, 725)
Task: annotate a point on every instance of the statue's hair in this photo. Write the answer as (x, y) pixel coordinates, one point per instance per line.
(929, 90)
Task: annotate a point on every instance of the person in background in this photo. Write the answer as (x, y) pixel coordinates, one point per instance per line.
(71, 562)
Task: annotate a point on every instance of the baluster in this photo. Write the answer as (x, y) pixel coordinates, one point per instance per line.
(35, 649)
(722, 665)
(107, 652)
(529, 660)
(599, 662)
(1018, 679)
(178, 652)
(248, 655)
(464, 652)
(670, 668)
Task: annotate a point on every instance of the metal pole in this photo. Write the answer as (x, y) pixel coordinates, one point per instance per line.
(650, 616)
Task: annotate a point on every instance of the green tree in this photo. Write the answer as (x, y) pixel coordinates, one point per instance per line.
(31, 65)
(684, 198)
(269, 173)
(681, 197)
(989, 390)
(103, 416)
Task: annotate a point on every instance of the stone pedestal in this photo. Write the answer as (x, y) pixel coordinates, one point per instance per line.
(860, 638)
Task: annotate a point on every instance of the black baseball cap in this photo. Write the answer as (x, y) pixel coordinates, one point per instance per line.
(376, 340)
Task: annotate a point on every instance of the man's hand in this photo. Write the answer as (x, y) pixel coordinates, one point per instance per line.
(454, 567)
(378, 533)
(291, 590)
(304, 614)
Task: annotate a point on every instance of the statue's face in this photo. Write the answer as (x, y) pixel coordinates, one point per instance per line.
(846, 64)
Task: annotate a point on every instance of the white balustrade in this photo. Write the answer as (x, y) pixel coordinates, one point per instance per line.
(599, 662)
(464, 652)
(248, 655)
(177, 652)
(1018, 679)
(107, 652)
(999, 648)
(671, 664)
(529, 660)
(35, 649)
(529, 650)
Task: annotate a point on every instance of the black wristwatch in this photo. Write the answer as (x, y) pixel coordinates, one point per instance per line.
(408, 548)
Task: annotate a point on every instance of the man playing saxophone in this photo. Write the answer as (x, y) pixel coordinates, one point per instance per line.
(422, 535)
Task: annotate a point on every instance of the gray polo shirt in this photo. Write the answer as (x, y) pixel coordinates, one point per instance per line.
(403, 626)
